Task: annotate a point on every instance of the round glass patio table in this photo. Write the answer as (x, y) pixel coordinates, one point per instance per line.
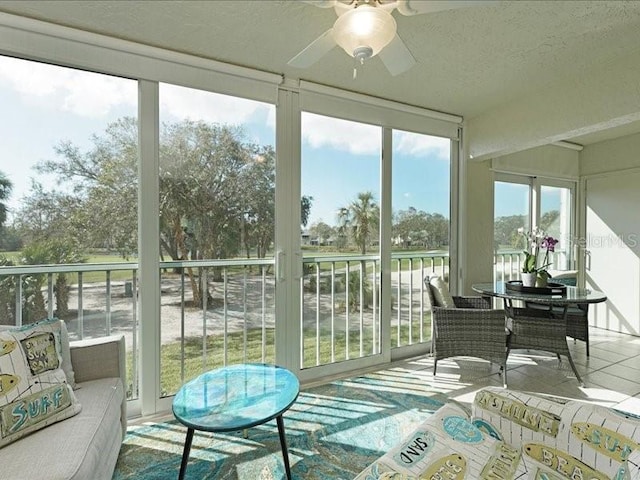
(563, 298)
(235, 398)
(570, 296)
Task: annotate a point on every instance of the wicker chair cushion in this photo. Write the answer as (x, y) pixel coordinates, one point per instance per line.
(441, 293)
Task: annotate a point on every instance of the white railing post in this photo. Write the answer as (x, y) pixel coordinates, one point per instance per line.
(346, 319)
(411, 299)
(317, 265)
(18, 300)
(50, 295)
(80, 308)
(108, 302)
(399, 302)
(182, 352)
(333, 312)
(374, 323)
(263, 303)
(244, 314)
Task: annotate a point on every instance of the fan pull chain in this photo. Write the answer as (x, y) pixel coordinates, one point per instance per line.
(356, 61)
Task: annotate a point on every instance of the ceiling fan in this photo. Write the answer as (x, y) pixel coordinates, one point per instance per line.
(366, 28)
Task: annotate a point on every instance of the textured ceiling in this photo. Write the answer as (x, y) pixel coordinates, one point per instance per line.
(469, 60)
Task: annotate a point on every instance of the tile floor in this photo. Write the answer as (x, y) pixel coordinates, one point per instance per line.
(611, 373)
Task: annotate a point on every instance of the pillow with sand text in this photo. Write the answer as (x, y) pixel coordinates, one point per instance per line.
(34, 392)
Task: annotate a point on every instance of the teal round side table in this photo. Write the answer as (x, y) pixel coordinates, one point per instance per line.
(235, 398)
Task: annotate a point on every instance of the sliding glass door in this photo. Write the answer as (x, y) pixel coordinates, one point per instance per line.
(529, 202)
(512, 211)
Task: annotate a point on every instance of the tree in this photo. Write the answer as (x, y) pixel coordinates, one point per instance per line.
(7, 295)
(438, 228)
(258, 220)
(104, 186)
(305, 209)
(10, 238)
(505, 230)
(549, 222)
(217, 194)
(410, 226)
(360, 219)
(5, 192)
(322, 232)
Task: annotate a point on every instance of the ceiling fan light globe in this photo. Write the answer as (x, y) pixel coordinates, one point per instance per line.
(364, 26)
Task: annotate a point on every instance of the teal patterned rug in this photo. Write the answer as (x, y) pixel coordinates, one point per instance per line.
(333, 432)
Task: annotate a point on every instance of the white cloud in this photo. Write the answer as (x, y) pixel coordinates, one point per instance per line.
(420, 145)
(355, 138)
(359, 138)
(83, 93)
(182, 103)
(94, 95)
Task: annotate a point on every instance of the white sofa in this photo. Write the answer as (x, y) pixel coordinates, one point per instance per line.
(85, 446)
(511, 435)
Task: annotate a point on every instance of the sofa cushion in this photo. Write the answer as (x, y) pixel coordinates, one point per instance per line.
(85, 446)
(441, 293)
(34, 388)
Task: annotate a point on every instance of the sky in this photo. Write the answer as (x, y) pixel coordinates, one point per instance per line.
(42, 105)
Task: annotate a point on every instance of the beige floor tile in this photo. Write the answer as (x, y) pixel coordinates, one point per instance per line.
(612, 382)
(591, 363)
(607, 353)
(633, 362)
(622, 371)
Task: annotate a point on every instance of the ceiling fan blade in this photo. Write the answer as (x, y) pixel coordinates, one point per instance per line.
(417, 7)
(397, 57)
(314, 51)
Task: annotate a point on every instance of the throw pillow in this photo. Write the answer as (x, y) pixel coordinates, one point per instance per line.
(441, 293)
(34, 391)
(65, 351)
(565, 434)
(447, 445)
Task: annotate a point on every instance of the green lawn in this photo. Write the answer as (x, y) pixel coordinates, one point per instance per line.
(171, 353)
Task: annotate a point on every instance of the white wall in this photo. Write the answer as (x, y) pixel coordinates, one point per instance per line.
(606, 96)
(477, 241)
(611, 237)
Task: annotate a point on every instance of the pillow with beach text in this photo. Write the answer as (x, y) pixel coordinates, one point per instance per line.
(34, 392)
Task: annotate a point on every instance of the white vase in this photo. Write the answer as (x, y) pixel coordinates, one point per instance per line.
(529, 279)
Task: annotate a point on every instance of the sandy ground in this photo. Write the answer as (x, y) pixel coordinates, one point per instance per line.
(246, 306)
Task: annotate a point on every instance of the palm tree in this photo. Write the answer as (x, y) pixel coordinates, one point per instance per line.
(5, 193)
(360, 219)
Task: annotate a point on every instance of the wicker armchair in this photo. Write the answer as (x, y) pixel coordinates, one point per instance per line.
(537, 329)
(471, 329)
(577, 316)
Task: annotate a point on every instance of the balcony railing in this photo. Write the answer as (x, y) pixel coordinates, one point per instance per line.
(507, 263)
(218, 312)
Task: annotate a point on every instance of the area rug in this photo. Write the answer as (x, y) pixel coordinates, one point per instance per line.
(333, 432)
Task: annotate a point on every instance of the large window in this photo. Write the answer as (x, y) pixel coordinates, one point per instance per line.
(556, 221)
(421, 195)
(69, 169)
(527, 203)
(340, 239)
(512, 211)
(217, 221)
(164, 227)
